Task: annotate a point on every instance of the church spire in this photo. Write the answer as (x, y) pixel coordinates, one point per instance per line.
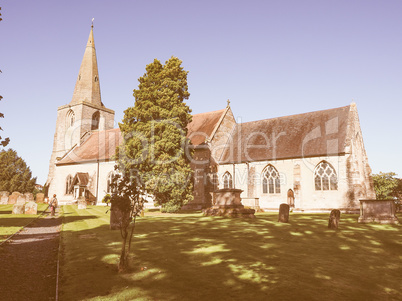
(87, 87)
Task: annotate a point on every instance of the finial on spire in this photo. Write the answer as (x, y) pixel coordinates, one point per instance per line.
(228, 102)
(92, 22)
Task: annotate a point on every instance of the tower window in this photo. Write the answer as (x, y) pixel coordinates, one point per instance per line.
(70, 118)
(95, 121)
(96, 78)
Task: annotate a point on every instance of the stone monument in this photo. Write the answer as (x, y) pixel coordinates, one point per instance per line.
(378, 211)
(29, 196)
(228, 203)
(31, 208)
(12, 199)
(18, 209)
(82, 203)
(4, 197)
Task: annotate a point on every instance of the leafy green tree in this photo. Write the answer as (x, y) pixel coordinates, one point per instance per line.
(15, 175)
(154, 130)
(5, 141)
(387, 185)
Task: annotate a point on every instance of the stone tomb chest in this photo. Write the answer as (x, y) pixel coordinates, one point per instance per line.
(227, 202)
(378, 211)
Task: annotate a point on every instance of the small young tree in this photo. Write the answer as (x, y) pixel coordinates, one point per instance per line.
(126, 197)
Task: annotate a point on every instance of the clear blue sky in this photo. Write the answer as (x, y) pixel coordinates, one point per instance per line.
(270, 58)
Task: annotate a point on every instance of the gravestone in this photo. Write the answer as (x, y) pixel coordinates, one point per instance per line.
(283, 213)
(31, 208)
(18, 208)
(334, 218)
(21, 199)
(40, 197)
(4, 197)
(29, 196)
(82, 203)
(12, 199)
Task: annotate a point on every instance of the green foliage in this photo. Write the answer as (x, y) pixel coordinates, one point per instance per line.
(127, 198)
(387, 186)
(106, 199)
(155, 145)
(15, 175)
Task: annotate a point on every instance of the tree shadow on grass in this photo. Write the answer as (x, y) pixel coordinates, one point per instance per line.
(203, 258)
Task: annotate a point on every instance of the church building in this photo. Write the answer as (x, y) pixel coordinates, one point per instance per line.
(313, 161)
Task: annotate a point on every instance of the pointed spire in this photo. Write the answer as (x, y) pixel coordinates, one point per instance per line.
(87, 87)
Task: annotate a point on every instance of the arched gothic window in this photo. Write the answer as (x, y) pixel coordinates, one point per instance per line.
(271, 182)
(95, 121)
(69, 183)
(325, 177)
(227, 180)
(70, 118)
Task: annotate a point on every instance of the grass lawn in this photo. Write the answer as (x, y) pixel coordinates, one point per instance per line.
(191, 257)
(11, 223)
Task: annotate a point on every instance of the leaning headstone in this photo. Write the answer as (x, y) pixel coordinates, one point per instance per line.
(31, 208)
(4, 197)
(21, 199)
(40, 197)
(283, 213)
(82, 203)
(334, 218)
(29, 196)
(18, 208)
(13, 197)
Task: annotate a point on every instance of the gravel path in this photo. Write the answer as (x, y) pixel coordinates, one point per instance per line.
(28, 262)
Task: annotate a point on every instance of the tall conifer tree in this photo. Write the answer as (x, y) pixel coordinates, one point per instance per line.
(154, 131)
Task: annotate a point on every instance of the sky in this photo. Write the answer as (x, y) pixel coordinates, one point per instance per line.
(270, 58)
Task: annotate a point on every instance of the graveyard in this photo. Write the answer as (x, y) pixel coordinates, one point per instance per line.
(188, 256)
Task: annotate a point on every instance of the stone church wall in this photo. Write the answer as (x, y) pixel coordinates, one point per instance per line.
(297, 175)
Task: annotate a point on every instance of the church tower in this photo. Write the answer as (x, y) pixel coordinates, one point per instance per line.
(84, 114)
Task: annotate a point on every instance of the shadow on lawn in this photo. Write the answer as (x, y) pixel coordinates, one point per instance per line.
(204, 258)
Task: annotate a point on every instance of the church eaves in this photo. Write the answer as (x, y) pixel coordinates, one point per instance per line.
(87, 87)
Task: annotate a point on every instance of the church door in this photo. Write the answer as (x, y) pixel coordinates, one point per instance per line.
(291, 198)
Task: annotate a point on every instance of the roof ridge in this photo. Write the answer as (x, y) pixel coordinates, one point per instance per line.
(280, 117)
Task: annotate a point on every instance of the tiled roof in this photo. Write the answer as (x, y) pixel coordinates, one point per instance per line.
(202, 126)
(317, 133)
(81, 178)
(101, 145)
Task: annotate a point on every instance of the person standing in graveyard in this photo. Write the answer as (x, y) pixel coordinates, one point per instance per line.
(53, 205)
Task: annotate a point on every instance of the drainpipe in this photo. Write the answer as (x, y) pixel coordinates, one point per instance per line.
(248, 180)
(234, 176)
(97, 182)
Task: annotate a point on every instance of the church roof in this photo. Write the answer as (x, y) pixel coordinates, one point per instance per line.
(101, 145)
(203, 125)
(319, 133)
(87, 87)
